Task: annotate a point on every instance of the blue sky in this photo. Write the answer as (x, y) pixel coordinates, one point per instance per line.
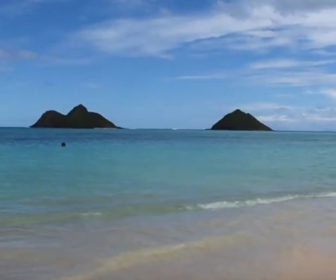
(170, 63)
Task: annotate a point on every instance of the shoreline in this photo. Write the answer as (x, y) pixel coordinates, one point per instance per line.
(286, 240)
(283, 241)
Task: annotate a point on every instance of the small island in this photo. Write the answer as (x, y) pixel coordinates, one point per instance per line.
(78, 117)
(239, 120)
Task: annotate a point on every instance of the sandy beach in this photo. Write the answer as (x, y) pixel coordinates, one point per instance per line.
(289, 241)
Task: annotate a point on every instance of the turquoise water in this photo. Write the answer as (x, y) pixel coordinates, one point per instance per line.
(112, 179)
(122, 173)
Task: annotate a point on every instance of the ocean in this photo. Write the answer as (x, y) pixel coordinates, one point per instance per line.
(163, 204)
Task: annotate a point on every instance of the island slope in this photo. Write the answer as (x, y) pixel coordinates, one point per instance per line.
(239, 120)
(78, 117)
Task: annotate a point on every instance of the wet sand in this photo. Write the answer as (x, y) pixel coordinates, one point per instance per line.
(289, 241)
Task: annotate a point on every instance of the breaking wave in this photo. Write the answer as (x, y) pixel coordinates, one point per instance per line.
(260, 201)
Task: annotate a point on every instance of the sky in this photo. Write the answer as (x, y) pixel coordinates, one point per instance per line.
(170, 63)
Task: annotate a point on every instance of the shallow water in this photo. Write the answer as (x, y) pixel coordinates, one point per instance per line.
(114, 197)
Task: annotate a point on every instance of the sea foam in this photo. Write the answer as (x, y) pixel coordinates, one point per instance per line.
(260, 201)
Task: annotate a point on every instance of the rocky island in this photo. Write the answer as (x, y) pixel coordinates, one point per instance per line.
(78, 117)
(239, 120)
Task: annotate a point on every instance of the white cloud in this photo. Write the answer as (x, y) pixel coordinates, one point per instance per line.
(276, 118)
(213, 76)
(272, 113)
(291, 5)
(262, 24)
(288, 63)
(282, 116)
(266, 106)
(156, 36)
(330, 93)
(279, 63)
(284, 73)
(295, 78)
